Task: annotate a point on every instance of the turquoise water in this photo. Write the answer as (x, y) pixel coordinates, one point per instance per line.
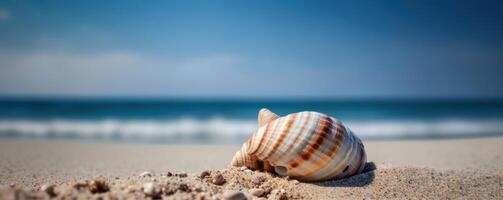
(232, 121)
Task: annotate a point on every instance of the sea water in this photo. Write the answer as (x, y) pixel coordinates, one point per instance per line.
(232, 121)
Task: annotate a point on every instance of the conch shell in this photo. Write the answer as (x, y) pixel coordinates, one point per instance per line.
(308, 146)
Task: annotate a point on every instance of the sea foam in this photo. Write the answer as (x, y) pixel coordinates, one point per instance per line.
(221, 130)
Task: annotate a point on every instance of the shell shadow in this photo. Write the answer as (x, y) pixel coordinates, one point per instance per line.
(359, 180)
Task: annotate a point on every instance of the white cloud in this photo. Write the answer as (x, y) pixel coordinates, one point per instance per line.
(4, 15)
(126, 73)
(129, 73)
(55, 61)
(112, 73)
(109, 60)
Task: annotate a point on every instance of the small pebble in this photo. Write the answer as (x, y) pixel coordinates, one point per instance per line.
(182, 174)
(248, 171)
(197, 189)
(170, 188)
(204, 174)
(79, 185)
(257, 192)
(145, 174)
(184, 187)
(243, 168)
(234, 195)
(169, 174)
(49, 189)
(149, 189)
(98, 186)
(279, 194)
(218, 179)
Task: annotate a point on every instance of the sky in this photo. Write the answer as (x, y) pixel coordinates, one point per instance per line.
(246, 49)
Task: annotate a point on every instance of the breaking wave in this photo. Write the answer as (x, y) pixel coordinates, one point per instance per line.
(220, 130)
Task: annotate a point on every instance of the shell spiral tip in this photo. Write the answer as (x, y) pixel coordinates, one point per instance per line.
(265, 116)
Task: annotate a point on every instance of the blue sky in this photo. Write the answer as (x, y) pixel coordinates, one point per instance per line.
(252, 48)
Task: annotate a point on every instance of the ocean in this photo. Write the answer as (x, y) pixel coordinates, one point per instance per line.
(184, 121)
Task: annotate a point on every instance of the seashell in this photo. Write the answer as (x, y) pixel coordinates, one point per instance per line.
(308, 146)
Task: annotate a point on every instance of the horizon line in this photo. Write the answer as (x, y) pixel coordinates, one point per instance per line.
(241, 98)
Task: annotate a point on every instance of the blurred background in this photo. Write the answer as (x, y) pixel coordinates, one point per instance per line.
(199, 71)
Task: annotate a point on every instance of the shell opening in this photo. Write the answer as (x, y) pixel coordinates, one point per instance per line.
(345, 169)
(280, 170)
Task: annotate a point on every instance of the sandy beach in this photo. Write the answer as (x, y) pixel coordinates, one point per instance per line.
(463, 168)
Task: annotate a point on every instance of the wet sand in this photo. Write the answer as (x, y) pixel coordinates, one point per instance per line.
(465, 168)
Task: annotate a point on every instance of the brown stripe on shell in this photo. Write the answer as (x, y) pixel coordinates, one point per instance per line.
(265, 116)
(309, 150)
(349, 153)
(297, 135)
(332, 150)
(338, 141)
(268, 138)
(357, 167)
(266, 166)
(238, 159)
(361, 161)
(330, 153)
(250, 141)
(282, 135)
(254, 150)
